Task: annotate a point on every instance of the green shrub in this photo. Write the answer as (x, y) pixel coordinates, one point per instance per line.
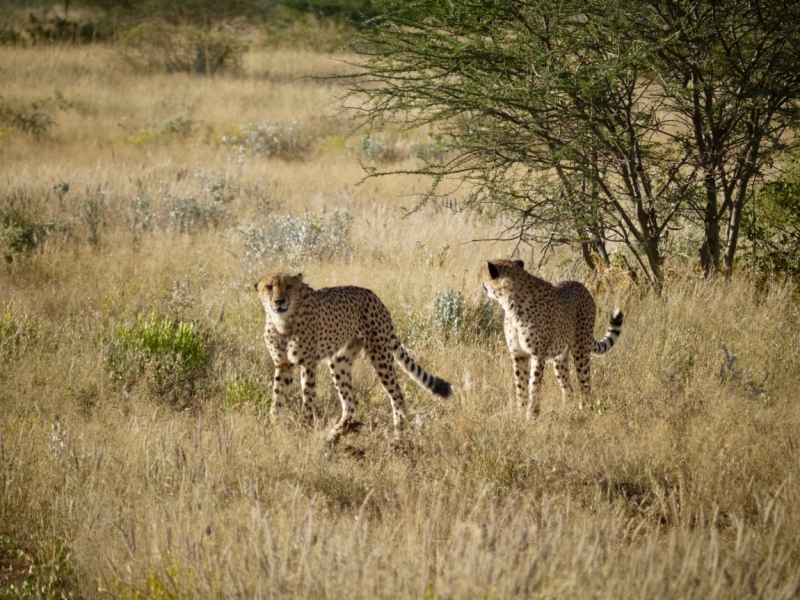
(36, 569)
(176, 127)
(206, 208)
(186, 49)
(312, 236)
(244, 389)
(448, 311)
(172, 358)
(31, 118)
(382, 147)
(771, 226)
(20, 232)
(454, 316)
(274, 139)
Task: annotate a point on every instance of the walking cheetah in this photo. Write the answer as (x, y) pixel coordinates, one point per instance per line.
(543, 323)
(305, 326)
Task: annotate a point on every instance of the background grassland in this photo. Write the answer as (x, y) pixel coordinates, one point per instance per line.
(679, 481)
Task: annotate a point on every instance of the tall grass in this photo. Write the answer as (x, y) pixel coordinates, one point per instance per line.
(678, 480)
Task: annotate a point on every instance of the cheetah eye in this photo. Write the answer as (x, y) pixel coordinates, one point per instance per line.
(269, 288)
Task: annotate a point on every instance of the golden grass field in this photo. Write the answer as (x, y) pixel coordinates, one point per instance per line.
(681, 480)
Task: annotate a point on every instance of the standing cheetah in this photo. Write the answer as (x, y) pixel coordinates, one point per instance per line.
(305, 326)
(546, 323)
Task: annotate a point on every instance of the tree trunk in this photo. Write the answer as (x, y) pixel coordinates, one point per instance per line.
(710, 249)
(734, 225)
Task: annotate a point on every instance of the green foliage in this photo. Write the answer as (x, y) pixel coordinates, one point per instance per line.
(309, 32)
(31, 573)
(311, 236)
(453, 316)
(557, 112)
(448, 311)
(772, 227)
(207, 208)
(17, 331)
(20, 232)
(187, 49)
(172, 357)
(31, 118)
(244, 389)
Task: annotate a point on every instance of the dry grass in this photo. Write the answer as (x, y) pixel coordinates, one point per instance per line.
(679, 482)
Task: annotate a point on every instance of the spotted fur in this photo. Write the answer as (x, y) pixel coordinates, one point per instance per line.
(305, 326)
(546, 323)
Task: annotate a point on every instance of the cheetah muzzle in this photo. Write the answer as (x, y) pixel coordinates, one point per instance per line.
(306, 326)
(546, 323)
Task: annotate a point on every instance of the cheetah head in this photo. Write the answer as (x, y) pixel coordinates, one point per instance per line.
(279, 293)
(497, 276)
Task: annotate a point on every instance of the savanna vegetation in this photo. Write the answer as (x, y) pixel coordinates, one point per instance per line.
(139, 203)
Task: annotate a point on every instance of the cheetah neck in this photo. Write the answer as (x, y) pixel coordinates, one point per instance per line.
(282, 322)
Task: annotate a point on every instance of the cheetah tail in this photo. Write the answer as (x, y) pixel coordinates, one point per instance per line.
(612, 334)
(436, 385)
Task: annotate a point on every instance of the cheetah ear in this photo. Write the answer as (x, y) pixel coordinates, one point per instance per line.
(520, 264)
(299, 277)
(494, 272)
(256, 285)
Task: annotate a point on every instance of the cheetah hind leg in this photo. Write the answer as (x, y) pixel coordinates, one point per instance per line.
(383, 361)
(341, 367)
(561, 367)
(584, 378)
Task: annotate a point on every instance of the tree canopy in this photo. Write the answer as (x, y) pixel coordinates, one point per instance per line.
(595, 122)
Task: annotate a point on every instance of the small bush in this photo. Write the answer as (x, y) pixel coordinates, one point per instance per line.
(453, 316)
(448, 311)
(289, 142)
(172, 358)
(172, 128)
(312, 236)
(244, 389)
(187, 49)
(31, 118)
(206, 209)
(383, 147)
(771, 227)
(19, 232)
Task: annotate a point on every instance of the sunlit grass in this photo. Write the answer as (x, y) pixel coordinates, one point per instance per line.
(677, 481)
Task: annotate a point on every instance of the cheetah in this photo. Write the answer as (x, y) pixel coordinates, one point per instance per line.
(305, 326)
(545, 323)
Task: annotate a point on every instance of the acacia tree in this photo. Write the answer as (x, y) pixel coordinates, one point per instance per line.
(574, 117)
(731, 76)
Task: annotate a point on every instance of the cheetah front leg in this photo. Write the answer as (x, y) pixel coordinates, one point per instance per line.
(308, 383)
(537, 372)
(522, 374)
(280, 385)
